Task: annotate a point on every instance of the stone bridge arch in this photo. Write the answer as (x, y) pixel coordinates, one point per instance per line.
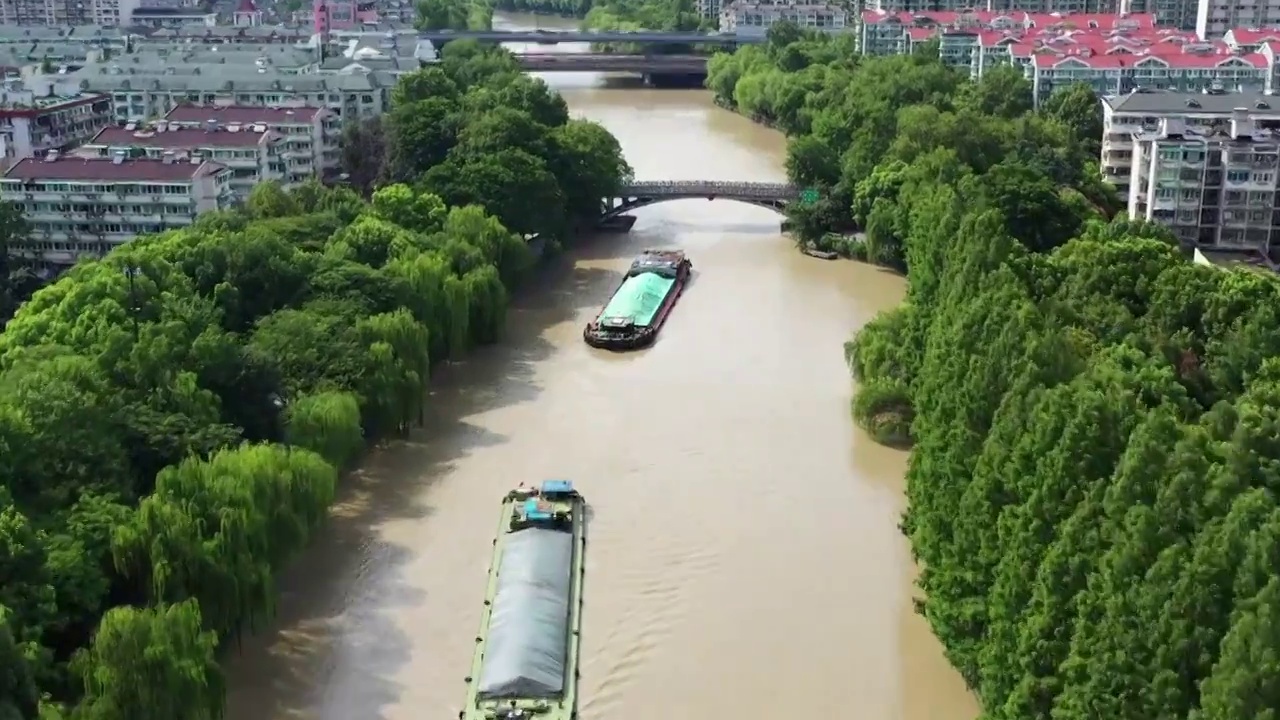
(774, 196)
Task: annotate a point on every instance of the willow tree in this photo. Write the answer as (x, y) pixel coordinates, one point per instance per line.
(151, 664)
(327, 423)
(218, 529)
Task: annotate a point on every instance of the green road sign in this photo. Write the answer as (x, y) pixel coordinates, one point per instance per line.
(809, 196)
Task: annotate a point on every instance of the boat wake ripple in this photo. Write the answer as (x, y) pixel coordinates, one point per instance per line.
(653, 604)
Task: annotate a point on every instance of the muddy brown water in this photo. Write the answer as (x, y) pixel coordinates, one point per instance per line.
(745, 559)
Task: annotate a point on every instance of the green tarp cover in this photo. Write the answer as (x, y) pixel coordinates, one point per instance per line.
(639, 298)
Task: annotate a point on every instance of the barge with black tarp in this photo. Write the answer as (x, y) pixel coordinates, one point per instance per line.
(526, 657)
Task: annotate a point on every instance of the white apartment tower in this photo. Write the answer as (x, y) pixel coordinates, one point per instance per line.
(1215, 190)
(1215, 17)
(111, 13)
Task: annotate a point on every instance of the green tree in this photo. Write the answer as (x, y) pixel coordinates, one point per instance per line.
(152, 664)
(1077, 107)
(19, 699)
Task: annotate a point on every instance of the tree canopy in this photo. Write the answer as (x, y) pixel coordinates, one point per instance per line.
(473, 129)
(1094, 475)
(174, 417)
(563, 8)
(454, 14)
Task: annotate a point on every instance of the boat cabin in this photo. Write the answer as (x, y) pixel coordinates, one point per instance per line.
(548, 508)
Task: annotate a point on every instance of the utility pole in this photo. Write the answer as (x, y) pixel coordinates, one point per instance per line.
(131, 272)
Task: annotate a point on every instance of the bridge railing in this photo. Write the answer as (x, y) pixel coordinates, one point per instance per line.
(784, 191)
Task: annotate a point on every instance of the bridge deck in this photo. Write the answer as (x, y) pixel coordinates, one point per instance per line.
(606, 62)
(707, 188)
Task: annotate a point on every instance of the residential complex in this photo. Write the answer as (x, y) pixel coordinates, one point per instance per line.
(1114, 54)
(1214, 188)
(1176, 14)
(83, 208)
(105, 134)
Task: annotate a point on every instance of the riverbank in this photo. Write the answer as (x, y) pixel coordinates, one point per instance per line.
(1079, 423)
(193, 431)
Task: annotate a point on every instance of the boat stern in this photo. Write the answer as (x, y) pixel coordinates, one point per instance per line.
(616, 333)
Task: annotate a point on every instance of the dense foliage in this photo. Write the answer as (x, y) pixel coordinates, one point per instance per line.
(174, 417)
(454, 15)
(1093, 486)
(474, 129)
(17, 279)
(645, 15)
(852, 124)
(564, 8)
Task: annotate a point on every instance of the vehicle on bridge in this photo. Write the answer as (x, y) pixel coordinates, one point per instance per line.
(526, 657)
(639, 307)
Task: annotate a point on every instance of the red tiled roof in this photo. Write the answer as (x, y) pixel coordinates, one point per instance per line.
(246, 6)
(185, 138)
(105, 169)
(244, 114)
(1251, 36)
(1100, 21)
(1176, 60)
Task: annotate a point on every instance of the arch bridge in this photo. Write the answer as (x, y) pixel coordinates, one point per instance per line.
(775, 196)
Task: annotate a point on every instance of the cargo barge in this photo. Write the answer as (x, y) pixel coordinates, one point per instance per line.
(639, 307)
(526, 657)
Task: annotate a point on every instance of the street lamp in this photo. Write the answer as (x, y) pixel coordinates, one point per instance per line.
(132, 272)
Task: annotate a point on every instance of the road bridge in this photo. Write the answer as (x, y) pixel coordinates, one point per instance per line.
(642, 37)
(604, 62)
(775, 196)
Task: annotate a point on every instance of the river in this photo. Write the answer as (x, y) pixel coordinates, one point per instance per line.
(745, 559)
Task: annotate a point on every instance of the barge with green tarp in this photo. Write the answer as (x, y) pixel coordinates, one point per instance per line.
(639, 307)
(526, 658)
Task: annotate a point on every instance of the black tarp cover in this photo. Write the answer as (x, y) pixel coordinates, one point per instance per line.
(525, 652)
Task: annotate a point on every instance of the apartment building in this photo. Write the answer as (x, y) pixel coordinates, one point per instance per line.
(84, 207)
(113, 13)
(1214, 189)
(309, 135)
(709, 9)
(1190, 66)
(252, 153)
(174, 17)
(151, 93)
(753, 19)
(27, 38)
(38, 115)
(1215, 17)
(1140, 112)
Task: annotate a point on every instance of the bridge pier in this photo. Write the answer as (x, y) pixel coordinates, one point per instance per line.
(675, 80)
